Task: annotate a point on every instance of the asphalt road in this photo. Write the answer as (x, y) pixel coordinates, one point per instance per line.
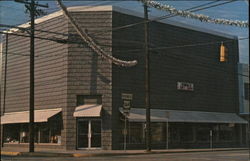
(242, 155)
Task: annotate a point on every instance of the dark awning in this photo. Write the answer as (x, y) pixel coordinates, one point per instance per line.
(159, 115)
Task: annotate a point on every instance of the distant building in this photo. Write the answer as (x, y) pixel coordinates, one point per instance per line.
(78, 94)
(244, 89)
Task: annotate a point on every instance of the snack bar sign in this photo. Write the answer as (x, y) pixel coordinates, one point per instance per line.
(185, 86)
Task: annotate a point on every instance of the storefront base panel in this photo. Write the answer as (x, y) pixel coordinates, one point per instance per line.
(37, 146)
(183, 146)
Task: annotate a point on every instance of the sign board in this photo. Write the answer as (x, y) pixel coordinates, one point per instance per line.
(126, 97)
(126, 104)
(185, 86)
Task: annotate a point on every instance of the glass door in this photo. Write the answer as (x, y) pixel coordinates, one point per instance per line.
(95, 133)
(88, 134)
(82, 134)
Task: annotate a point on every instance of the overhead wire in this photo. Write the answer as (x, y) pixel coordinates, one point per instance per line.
(165, 16)
(64, 41)
(151, 49)
(158, 18)
(182, 46)
(192, 9)
(160, 48)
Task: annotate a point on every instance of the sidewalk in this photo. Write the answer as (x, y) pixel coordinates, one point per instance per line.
(98, 153)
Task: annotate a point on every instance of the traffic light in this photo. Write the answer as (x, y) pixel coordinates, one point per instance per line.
(223, 53)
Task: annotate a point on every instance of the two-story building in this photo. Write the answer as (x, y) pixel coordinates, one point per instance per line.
(78, 94)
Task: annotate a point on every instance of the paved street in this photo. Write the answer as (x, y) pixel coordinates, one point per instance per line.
(242, 155)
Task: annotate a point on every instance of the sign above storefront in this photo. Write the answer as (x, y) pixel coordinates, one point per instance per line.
(127, 96)
(185, 86)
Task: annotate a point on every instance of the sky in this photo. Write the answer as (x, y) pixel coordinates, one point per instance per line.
(13, 13)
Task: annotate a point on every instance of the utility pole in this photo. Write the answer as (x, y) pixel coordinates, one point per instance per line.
(32, 76)
(2, 108)
(147, 80)
(5, 71)
(31, 6)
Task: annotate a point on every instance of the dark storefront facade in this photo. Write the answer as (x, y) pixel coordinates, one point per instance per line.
(194, 97)
(186, 129)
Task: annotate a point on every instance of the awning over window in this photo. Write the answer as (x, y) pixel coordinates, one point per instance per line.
(157, 115)
(23, 116)
(88, 110)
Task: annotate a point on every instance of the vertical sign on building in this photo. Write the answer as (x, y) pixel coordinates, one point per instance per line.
(126, 98)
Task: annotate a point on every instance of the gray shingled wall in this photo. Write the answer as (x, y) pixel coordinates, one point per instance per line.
(88, 73)
(50, 75)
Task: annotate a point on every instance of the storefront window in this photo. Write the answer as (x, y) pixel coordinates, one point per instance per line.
(55, 126)
(47, 132)
(186, 133)
(24, 133)
(136, 132)
(174, 134)
(43, 135)
(158, 132)
(11, 133)
(203, 133)
(226, 133)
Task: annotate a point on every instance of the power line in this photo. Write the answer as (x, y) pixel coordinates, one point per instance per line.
(138, 23)
(151, 49)
(165, 16)
(182, 46)
(134, 50)
(183, 57)
(39, 30)
(63, 41)
(177, 46)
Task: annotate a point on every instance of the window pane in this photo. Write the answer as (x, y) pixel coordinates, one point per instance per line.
(186, 133)
(203, 133)
(96, 133)
(11, 133)
(136, 133)
(226, 133)
(246, 91)
(158, 132)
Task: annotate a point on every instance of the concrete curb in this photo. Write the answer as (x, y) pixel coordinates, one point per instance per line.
(7, 153)
(152, 152)
(36, 154)
(98, 154)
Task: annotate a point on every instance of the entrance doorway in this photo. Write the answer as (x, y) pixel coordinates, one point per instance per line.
(88, 134)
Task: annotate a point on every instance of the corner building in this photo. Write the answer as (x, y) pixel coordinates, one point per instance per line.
(194, 96)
